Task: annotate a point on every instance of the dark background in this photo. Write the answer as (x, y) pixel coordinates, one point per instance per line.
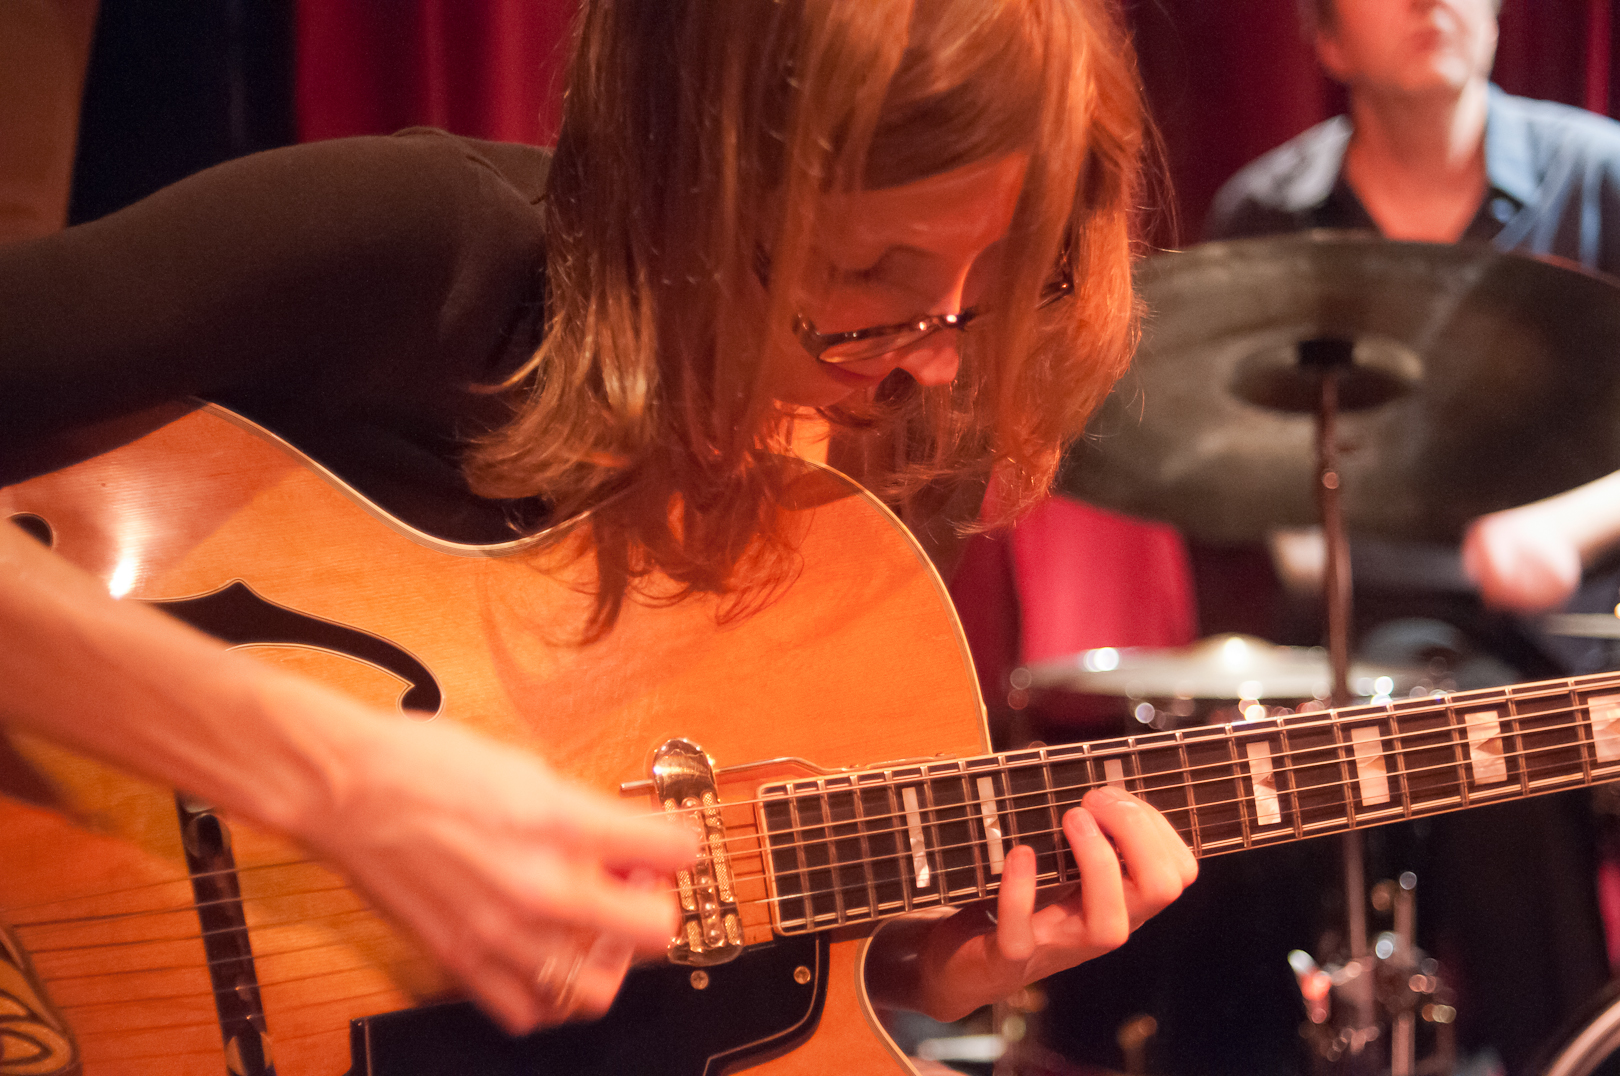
(176, 85)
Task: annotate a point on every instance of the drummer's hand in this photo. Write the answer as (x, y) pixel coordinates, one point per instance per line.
(1521, 560)
(534, 892)
(967, 961)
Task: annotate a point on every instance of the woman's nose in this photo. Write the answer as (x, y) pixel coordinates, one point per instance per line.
(934, 361)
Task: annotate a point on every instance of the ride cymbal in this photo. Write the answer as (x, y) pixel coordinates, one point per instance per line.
(1481, 380)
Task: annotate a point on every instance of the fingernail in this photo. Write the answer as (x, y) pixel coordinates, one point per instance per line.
(1111, 794)
(1086, 823)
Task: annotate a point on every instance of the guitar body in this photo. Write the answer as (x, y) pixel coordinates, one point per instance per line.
(859, 661)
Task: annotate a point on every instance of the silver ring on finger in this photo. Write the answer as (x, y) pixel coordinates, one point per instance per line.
(557, 977)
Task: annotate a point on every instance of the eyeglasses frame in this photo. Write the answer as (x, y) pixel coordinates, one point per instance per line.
(818, 343)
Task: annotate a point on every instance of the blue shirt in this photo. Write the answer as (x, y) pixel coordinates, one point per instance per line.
(1552, 174)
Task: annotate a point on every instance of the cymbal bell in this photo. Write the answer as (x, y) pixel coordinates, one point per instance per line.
(1480, 380)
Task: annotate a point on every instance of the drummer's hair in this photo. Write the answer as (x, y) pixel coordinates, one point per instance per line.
(698, 135)
(1321, 16)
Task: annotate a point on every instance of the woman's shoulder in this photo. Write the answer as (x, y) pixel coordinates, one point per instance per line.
(524, 167)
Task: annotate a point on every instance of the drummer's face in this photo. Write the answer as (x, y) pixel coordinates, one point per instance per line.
(1409, 47)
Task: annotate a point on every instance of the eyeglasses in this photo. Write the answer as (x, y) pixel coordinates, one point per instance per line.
(857, 345)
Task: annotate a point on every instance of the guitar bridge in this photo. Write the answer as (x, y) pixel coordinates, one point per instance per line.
(711, 932)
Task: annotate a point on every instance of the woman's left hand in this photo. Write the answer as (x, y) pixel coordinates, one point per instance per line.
(1131, 863)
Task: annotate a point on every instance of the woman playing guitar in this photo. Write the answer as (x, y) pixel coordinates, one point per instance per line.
(909, 219)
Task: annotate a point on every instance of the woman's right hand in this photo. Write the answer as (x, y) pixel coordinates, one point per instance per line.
(532, 891)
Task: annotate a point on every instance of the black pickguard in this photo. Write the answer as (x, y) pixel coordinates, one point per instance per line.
(659, 1025)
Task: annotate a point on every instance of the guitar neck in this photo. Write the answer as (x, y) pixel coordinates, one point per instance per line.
(854, 847)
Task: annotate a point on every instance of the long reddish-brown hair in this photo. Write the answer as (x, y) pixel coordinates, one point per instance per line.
(699, 132)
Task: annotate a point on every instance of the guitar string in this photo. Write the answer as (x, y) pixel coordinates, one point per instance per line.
(214, 992)
(205, 935)
(214, 1050)
(967, 817)
(1227, 767)
(178, 880)
(198, 995)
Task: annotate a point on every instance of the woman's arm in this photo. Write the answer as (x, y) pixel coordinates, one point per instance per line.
(494, 862)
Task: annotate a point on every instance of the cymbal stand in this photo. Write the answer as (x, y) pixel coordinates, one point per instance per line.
(1366, 981)
(1326, 359)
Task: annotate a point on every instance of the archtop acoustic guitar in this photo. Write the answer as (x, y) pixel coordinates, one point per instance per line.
(831, 748)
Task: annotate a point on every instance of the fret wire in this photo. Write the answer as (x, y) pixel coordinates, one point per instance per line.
(1585, 737)
(1343, 765)
(1237, 791)
(901, 844)
(970, 796)
(859, 804)
(1524, 771)
(1397, 731)
(1060, 848)
(833, 870)
(803, 861)
(925, 814)
(930, 816)
(1293, 783)
(1187, 791)
(1453, 729)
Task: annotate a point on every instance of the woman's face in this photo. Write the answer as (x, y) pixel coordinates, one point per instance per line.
(884, 256)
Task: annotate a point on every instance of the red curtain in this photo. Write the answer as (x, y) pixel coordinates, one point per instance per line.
(1227, 80)
(484, 68)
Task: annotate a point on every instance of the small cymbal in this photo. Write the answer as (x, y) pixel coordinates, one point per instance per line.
(1221, 667)
(1481, 380)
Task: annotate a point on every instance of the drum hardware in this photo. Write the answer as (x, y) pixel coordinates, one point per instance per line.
(1222, 679)
(1593, 1043)
(1583, 625)
(1396, 979)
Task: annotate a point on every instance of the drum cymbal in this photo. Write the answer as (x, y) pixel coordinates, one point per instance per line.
(1221, 667)
(1481, 380)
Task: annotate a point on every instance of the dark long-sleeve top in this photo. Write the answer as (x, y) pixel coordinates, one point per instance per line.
(346, 294)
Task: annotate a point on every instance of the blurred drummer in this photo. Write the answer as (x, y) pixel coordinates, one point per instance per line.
(1432, 151)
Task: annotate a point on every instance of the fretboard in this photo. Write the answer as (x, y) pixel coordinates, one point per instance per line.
(858, 846)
